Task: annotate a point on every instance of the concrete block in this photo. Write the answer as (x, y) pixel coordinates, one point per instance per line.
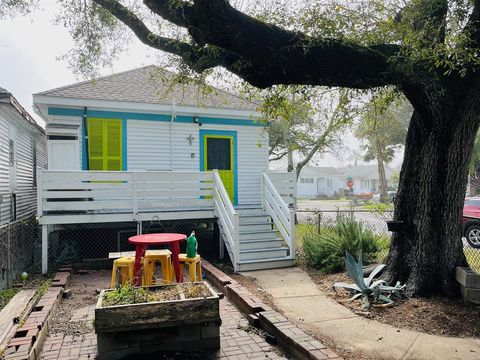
(467, 277)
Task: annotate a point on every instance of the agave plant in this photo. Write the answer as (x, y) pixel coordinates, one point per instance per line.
(367, 288)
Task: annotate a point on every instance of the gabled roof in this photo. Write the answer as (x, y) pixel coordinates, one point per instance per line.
(325, 170)
(359, 171)
(7, 98)
(152, 85)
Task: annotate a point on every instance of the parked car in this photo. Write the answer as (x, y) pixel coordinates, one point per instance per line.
(471, 221)
(390, 196)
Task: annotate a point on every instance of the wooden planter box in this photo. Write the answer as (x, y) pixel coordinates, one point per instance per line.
(469, 281)
(150, 327)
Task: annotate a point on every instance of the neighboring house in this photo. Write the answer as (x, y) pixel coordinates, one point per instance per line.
(157, 144)
(365, 177)
(22, 154)
(318, 181)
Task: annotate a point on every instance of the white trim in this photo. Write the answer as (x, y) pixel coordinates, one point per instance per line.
(143, 107)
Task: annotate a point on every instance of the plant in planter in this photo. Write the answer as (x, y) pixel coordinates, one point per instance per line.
(180, 317)
(366, 288)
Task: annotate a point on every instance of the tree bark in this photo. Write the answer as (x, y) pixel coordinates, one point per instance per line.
(381, 172)
(430, 197)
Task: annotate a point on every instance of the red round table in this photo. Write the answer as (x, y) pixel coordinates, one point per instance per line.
(141, 243)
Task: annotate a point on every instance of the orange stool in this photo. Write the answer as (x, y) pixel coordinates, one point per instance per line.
(194, 266)
(126, 265)
(152, 257)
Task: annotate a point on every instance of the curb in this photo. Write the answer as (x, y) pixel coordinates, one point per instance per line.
(27, 342)
(294, 340)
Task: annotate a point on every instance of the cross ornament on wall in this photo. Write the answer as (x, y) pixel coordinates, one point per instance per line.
(190, 139)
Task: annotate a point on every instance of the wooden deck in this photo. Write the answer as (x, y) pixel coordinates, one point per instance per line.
(92, 197)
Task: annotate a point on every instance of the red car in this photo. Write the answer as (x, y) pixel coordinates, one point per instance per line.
(471, 221)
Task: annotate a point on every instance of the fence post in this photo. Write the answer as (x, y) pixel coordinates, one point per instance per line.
(9, 260)
(319, 222)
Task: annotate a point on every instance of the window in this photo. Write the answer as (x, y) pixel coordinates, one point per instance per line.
(11, 148)
(105, 144)
(34, 163)
(306, 180)
(329, 183)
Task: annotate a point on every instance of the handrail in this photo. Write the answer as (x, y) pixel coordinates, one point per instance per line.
(282, 216)
(126, 192)
(228, 218)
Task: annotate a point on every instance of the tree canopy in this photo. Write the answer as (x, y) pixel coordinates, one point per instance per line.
(426, 49)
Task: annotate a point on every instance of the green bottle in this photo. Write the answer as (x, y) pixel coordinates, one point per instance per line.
(191, 245)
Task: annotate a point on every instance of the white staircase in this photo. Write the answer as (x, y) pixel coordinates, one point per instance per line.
(260, 246)
(258, 236)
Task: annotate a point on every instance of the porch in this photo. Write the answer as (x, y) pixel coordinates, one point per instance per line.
(257, 236)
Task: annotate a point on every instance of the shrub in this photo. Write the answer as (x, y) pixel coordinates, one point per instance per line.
(326, 250)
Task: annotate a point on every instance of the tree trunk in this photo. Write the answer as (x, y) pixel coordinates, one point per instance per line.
(430, 200)
(381, 172)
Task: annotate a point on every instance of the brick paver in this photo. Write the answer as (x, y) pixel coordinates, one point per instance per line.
(238, 340)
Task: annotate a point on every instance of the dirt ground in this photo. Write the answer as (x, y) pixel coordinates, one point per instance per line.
(435, 315)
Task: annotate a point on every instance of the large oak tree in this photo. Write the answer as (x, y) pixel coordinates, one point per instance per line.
(427, 49)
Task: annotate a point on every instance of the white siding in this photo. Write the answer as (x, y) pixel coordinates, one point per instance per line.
(11, 121)
(4, 169)
(148, 148)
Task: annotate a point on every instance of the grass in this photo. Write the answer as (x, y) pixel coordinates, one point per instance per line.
(5, 296)
(300, 231)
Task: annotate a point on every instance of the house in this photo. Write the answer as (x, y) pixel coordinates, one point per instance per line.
(365, 177)
(318, 182)
(135, 147)
(22, 155)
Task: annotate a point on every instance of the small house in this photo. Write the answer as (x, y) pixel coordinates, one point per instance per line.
(366, 178)
(137, 147)
(316, 181)
(22, 155)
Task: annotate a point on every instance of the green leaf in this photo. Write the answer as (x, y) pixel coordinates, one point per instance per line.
(379, 268)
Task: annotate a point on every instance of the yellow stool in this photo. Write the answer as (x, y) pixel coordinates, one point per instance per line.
(149, 262)
(126, 264)
(194, 266)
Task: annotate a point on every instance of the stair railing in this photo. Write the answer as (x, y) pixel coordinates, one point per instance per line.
(228, 219)
(282, 215)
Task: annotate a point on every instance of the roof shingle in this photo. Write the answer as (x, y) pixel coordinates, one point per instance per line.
(153, 85)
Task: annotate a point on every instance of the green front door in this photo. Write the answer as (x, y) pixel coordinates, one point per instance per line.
(219, 155)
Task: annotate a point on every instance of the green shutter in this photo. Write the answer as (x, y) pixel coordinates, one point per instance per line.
(105, 144)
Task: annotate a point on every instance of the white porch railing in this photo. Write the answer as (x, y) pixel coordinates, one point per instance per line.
(228, 219)
(278, 201)
(116, 192)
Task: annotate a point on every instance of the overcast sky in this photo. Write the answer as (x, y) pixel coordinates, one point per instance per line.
(29, 51)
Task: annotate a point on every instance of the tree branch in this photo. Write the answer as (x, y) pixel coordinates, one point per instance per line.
(199, 59)
(261, 53)
(472, 28)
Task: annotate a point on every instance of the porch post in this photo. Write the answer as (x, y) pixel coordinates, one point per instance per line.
(44, 249)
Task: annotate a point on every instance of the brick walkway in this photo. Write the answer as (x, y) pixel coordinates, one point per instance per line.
(76, 339)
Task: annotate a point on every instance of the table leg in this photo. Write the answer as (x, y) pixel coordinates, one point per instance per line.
(139, 253)
(176, 263)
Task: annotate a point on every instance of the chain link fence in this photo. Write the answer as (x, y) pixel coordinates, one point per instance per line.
(20, 250)
(376, 222)
(76, 243)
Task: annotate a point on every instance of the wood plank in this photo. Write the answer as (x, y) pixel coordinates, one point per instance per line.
(87, 205)
(88, 186)
(76, 176)
(174, 191)
(81, 194)
(15, 309)
(155, 314)
(185, 176)
(174, 203)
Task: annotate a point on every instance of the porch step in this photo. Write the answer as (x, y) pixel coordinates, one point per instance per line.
(257, 235)
(263, 254)
(255, 226)
(250, 265)
(260, 244)
(247, 211)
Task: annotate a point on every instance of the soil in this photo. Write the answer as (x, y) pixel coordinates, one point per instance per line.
(131, 295)
(436, 315)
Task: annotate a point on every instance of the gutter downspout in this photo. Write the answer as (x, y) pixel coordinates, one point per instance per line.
(85, 134)
(172, 120)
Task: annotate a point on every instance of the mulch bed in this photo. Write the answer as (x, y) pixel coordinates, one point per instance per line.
(436, 315)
